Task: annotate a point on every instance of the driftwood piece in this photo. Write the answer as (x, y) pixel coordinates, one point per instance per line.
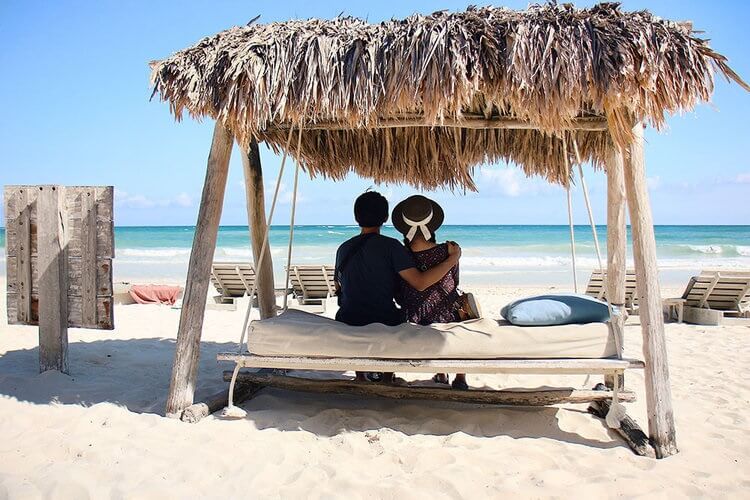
(202, 409)
(629, 430)
(533, 397)
(656, 374)
(187, 352)
(215, 402)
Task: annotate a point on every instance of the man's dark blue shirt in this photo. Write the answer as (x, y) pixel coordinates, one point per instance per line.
(369, 279)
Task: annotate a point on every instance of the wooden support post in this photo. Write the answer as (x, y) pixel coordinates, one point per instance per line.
(616, 245)
(656, 373)
(187, 352)
(53, 279)
(256, 217)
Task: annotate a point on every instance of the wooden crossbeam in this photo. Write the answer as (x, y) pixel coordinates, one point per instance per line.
(520, 397)
(557, 366)
(468, 121)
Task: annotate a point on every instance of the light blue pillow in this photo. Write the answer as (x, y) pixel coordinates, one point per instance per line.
(563, 309)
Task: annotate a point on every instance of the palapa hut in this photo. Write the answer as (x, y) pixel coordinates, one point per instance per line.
(426, 99)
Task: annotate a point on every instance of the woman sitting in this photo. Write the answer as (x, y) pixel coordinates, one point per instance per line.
(417, 218)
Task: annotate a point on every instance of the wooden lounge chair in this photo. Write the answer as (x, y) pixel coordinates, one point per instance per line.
(715, 294)
(312, 284)
(232, 280)
(597, 287)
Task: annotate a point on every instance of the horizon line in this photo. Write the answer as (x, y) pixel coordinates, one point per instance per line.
(2, 227)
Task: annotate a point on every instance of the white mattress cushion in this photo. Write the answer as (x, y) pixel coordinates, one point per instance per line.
(298, 333)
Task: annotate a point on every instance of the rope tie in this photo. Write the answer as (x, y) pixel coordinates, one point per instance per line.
(232, 411)
(612, 311)
(291, 224)
(421, 226)
(570, 217)
(616, 409)
(265, 240)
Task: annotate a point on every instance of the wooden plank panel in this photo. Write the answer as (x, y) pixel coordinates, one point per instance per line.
(52, 259)
(103, 194)
(103, 272)
(104, 312)
(75, 197)
(104, 238)
(16, 200)
(14, 204)
(88, 256)
(72, 201)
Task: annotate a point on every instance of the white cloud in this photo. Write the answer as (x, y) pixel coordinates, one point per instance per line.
(507, 180)
(285, 194)
(183, 200)
(653, 183)
(139, 201)
(743, 178)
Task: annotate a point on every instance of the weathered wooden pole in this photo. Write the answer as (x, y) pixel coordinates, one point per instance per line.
(53, 279)
(658, 393)
(187, 353)
(256, 217)
(616, 241)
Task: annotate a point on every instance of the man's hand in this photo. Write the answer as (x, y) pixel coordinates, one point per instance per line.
(454, 250)
(421, 280)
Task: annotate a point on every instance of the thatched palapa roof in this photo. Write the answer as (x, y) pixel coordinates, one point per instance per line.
(547, 67)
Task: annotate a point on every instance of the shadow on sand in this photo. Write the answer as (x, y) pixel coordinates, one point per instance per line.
(135, 374)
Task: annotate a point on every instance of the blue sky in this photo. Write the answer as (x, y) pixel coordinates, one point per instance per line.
(74, 97)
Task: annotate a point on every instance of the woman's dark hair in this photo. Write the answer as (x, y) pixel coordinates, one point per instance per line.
(371, 209)
(432, 239)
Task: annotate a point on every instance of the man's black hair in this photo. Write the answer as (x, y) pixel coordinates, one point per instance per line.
(371, 209)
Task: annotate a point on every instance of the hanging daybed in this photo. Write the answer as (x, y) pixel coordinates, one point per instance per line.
(424, 101)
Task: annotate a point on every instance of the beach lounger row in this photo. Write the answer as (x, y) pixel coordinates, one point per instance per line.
(597, 287)
(311, 284)
(232, 280)
(708, 297)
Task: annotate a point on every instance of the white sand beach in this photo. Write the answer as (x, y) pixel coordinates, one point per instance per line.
(99, 432)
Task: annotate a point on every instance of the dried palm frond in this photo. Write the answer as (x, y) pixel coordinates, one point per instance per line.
(547, 66)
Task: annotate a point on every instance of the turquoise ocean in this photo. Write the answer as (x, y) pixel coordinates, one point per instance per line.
(502, 255)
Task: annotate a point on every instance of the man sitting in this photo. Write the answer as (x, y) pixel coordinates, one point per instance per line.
(368, 267)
